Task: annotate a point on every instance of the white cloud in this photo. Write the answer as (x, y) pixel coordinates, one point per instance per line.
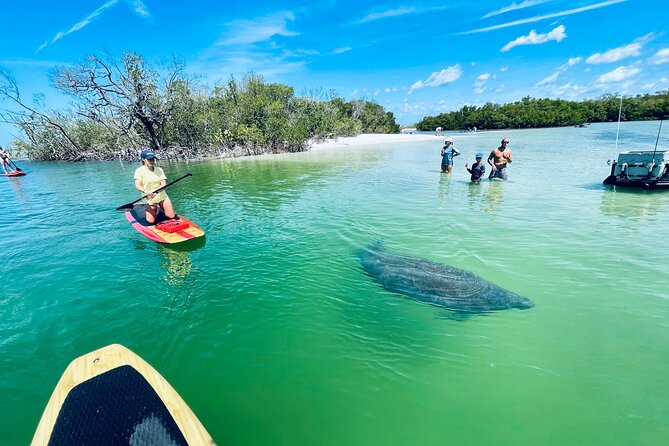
(479, 84)
(137, 6)
(387, 13)
(261, 29)
(514, 7)
(662, 56)
(661, 83)
(354, 93)
(341, 50)
(561, 69)
(504, 68)
(450, 74)
(396, 12)
(533, 38)
(568, 90)
(618, 75)
(623, 52)
(550, 79)
(548, 16)
(140, 8)
(81, 24)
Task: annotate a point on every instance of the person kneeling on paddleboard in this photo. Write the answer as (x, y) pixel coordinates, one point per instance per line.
(148, 178)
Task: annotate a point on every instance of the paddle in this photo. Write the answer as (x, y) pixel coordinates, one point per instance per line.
(15, 166)
(131, 204)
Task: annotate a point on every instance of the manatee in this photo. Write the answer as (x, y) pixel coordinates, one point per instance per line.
(438, 284)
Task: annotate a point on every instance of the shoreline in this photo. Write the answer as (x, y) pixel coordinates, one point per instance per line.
(368, 139)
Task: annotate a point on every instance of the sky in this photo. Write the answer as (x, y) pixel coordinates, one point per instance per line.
(414, 58)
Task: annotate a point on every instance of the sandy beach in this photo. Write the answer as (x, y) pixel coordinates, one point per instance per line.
(368, 139)
(374, 139)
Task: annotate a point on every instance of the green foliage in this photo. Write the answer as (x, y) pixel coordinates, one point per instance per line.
(122, 106)
(535, 113)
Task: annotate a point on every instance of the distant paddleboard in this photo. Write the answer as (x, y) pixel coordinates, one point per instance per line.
(13, 173)
(113, 397)
(175, 230)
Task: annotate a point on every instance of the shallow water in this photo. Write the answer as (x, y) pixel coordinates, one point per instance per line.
(272, 332)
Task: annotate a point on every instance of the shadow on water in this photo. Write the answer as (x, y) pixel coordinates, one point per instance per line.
(632, 203)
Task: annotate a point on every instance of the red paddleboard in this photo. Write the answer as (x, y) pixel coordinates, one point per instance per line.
(13, 173)
(176, 230)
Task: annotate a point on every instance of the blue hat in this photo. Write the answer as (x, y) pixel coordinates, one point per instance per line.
(147, 155)
(479, 155)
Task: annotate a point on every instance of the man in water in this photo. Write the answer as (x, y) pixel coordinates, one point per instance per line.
(478, 168)
(149, 177)
(498, 160)
(447, 154)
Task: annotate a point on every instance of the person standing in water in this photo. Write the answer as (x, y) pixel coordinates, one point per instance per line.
(478, 168)
(148, 178)
(448, 152)
(499, 158)
(6, 162)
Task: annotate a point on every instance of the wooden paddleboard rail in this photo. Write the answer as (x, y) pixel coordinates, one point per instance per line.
(108, 358)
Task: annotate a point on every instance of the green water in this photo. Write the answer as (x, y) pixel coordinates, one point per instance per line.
(274, 335)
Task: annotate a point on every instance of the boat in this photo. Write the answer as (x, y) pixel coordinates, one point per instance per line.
(163, 230)
(112, 396)
(645, 169)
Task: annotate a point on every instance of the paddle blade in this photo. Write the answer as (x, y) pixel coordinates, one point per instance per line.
(126, 207)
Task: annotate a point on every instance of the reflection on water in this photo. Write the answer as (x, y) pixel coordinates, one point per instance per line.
(635, 204)
(444, 185)
(494, 195)
(474, 191)
(177, 264)
(17, 185)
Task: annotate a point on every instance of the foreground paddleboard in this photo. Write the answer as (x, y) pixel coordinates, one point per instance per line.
(113, 397)
(13, 173)
(176, 230)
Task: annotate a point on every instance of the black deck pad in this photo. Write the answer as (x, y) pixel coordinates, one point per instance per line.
(118, 407)
(139, 213)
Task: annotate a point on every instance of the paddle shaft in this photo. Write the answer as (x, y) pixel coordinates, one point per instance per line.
(15, 166)
(130, 205)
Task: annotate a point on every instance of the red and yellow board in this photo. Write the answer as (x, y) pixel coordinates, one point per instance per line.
(176, 230)
(13, 173)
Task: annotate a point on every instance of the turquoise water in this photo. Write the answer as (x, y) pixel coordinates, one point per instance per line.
(274, 335)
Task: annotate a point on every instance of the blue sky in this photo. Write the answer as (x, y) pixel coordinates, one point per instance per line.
(414, 58)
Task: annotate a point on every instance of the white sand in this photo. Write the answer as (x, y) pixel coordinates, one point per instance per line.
(373, 139)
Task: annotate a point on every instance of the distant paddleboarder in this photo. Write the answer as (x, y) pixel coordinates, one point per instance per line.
(148, 178)
(6, 162)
